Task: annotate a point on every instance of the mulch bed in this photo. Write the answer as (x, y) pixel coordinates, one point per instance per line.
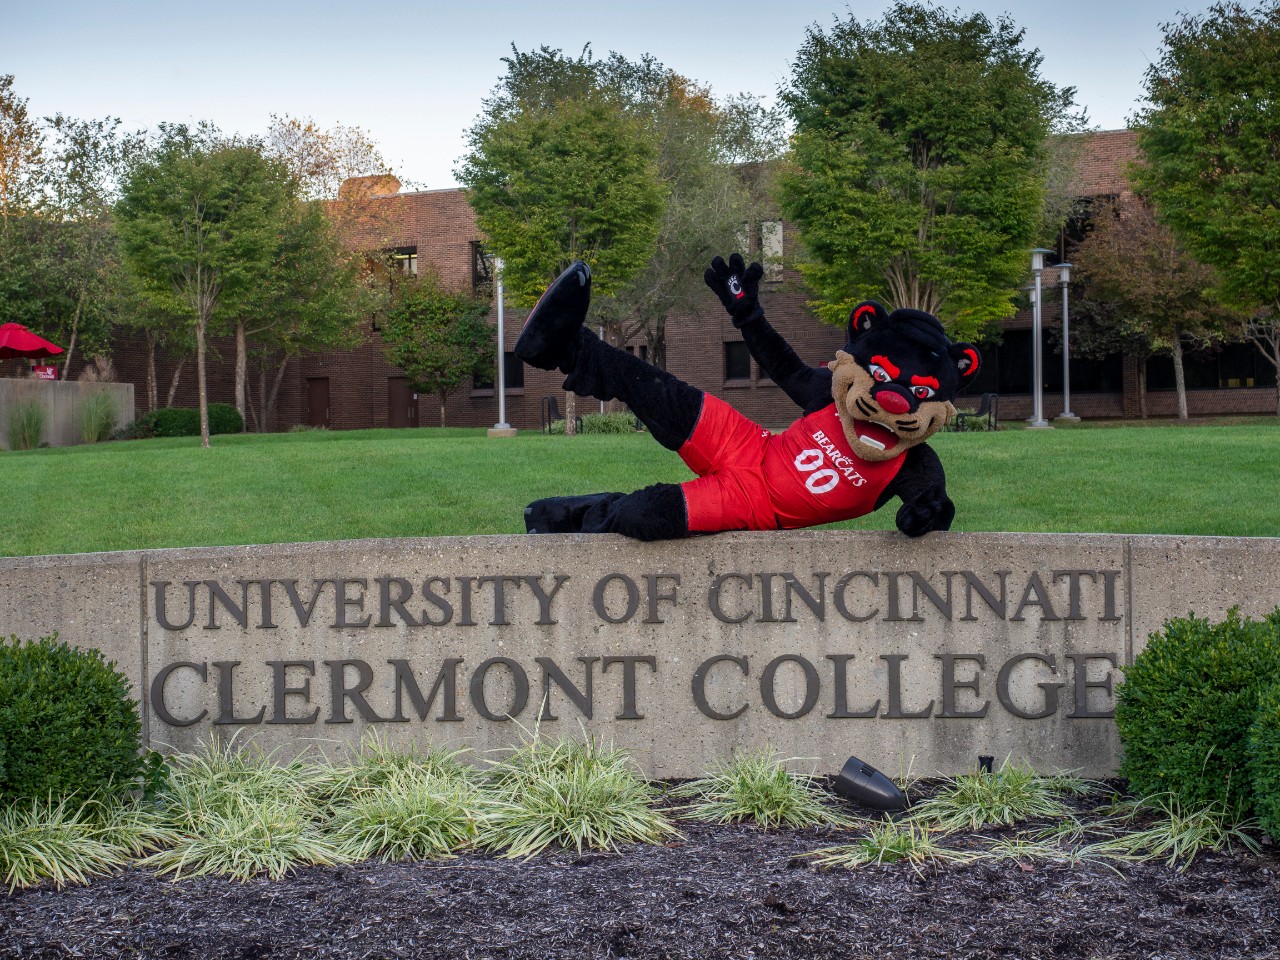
(720, 892)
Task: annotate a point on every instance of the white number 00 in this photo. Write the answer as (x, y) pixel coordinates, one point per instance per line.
(808, 461)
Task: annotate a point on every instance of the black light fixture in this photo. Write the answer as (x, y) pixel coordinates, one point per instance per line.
(866, 785)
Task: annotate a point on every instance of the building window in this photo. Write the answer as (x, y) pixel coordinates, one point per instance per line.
(737, 361)
(481, 267)
(405, 260)
(771, 248)
(513, 374)
(641, 351)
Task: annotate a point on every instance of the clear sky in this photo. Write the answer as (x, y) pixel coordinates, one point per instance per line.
(412, 74)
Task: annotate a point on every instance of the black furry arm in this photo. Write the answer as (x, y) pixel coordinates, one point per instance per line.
(922, 486)
(809, 387)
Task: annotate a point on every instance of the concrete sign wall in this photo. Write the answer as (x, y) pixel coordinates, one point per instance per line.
(819, 644)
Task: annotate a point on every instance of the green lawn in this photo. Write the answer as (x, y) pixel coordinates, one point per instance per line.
(1192, 479)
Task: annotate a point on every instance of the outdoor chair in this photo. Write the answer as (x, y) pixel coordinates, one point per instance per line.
(987, 414)
(551, 414)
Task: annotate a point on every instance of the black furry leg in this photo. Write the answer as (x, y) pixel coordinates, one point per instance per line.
(654, 513)
(563, 514)
(665, 404)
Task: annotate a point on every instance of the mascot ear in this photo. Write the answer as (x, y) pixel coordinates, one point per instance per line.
(866, 315)
(967, 359)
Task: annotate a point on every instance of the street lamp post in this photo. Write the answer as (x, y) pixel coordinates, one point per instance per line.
(1066, 416)
(501, 428)
(1037, 421)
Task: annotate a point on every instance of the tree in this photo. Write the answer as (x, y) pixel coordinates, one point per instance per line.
(919, 162)
(576, 181)
(22, 172)
(439, 337)
(1155, 290)
(198, 225)
(80, 247)
(313, 298)
(1211, 144)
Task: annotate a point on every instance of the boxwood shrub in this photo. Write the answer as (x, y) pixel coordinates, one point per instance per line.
(67, 724)
(185, 422)
(1186, 706)
(1264, 761)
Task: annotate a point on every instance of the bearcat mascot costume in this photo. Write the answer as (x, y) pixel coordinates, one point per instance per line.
(859, 444)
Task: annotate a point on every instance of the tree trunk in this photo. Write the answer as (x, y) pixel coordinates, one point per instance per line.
(443, 397)
(173, 383)
(71, 347)
(570, 413)
(270, 407)
(152, 392)
(201, 325)
(1142, 388)
(242, 374)
(1179, 377)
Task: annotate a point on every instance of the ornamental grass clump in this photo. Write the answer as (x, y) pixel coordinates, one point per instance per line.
(25, 423)
(1264, 761)
(568, 793)
(1176, 834)
(892, 842)
(235, 813)
(245, 837)
(96, 416)
(406, 817)
(378, 764)
(43, 841)
(1186, 707)
(758, 788)
(979, 799)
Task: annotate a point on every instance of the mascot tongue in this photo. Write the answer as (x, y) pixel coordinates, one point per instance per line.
(875, 435)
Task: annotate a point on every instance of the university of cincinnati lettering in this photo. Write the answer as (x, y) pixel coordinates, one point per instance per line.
(908, 683)
(858, 596)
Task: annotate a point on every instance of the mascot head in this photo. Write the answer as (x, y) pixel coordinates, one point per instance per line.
(894, 381)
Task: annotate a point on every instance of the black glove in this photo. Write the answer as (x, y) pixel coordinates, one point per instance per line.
(933, 511)
(737, 286)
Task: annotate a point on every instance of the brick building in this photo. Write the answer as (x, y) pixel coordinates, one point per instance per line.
(358, 388)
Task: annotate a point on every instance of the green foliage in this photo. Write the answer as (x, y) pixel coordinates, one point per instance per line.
(41, 840)
(757, 787)
(200, 221)
(97, 416)
(407, 817)
(1011, 794)
(1264, 761)
(571, 794)
(185, 422)
(573, 179)
(603, 423)
(440, 338)
(66, 720)
(1173, 833)
(1186, 706)
(25, 423)
(893, 842)
(920, 162)
(1209, 140)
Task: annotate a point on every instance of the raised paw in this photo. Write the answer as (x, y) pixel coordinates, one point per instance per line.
(932, 511)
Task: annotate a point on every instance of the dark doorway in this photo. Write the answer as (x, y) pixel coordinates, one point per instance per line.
(402, 403)
(318, 401)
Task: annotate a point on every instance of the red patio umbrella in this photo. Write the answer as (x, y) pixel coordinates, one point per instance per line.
(17, 341)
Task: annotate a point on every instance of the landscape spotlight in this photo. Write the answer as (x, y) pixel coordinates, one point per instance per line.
(866, 785)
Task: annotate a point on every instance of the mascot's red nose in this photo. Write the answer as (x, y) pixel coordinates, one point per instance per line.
(892, 401)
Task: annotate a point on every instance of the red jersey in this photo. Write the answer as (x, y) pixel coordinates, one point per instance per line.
(751, 479)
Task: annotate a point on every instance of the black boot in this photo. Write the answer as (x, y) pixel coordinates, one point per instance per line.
(563, 514)
(550, 333)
